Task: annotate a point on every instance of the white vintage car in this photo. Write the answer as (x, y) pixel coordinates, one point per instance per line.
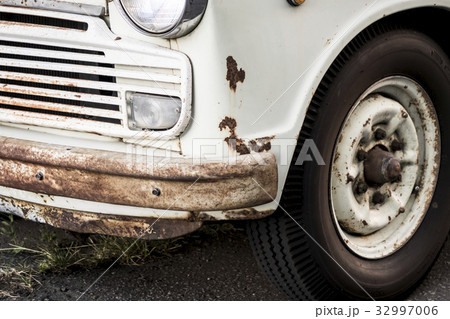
(325, 122)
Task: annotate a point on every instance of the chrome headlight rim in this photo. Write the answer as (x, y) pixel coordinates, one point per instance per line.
(192, 14)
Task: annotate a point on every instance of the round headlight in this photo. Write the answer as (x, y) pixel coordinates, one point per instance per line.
(155, 16)
(164, 17)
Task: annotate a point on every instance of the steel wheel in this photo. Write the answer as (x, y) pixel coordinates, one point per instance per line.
(385, 167)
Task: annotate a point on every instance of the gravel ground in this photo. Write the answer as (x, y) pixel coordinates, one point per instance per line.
(217, 270)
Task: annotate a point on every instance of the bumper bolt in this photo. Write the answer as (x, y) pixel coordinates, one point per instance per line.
(378, 198)
(397, 146)
(40, 176)
(156, 192)
(361, 188)
(380, 134)
(361, 155)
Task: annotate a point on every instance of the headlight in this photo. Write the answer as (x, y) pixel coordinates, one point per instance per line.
(165, 18)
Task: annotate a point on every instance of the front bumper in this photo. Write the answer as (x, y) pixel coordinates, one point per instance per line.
(138, 180)
(83, 222)
(161, 185)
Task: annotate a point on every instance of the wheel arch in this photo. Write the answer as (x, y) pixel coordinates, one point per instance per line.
(420, 15)
(431, 20)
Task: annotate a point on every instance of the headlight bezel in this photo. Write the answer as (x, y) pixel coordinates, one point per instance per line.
(189, 19)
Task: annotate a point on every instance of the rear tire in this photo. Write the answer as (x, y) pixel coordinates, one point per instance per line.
(328, 266)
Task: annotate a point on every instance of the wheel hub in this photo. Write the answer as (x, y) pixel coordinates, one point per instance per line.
(381, 167)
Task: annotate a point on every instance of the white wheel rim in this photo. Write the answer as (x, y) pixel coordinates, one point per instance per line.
(403, 110)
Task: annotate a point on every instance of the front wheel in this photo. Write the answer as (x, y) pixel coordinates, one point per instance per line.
(370, 222)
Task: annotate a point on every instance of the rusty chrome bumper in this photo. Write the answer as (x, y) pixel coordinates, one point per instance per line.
(82, 222)
(130, 180)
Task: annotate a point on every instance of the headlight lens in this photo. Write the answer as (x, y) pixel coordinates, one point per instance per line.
(153, 112)
(163, 18)
(155, 16)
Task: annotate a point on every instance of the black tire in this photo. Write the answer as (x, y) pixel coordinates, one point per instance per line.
(292, 260)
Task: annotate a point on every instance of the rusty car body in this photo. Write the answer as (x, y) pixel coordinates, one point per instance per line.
(76, 76)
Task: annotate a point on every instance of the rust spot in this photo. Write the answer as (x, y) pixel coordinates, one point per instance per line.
(364, 223)
(350, 178)
(249, 213)
(117, 39)
(261, 144)
(258, 145)
(234, 75)
(367, 123)
(336, 157)
(196, 216)
(233, 140)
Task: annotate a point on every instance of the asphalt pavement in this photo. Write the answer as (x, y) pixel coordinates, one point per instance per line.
(222, 269)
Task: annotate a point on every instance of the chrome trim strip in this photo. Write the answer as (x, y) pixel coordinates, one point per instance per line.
(59, 6)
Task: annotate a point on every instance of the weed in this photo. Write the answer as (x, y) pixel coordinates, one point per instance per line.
(54, 254)
(6, 225)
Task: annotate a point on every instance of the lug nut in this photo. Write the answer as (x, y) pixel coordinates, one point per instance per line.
(361, 188)
(401, 210)
(378, 198)
(380, 134)
(416, 190)
(361, 155)
(397, 146)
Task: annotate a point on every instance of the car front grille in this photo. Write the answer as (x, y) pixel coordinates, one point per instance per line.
(49, 80)
(75, 75)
